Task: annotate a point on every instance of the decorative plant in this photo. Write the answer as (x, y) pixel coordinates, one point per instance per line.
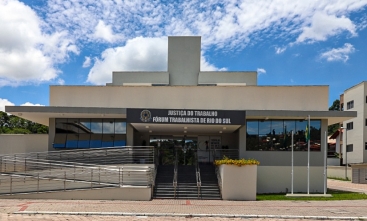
(240, 162)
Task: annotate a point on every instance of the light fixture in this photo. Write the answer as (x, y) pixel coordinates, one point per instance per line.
(185, 131)
(220, 132)
(224, 128)
(266, 118)
(185, 128)
(147, 127)
(150, 131)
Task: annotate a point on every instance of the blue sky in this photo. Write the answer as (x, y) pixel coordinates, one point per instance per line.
(72, 42)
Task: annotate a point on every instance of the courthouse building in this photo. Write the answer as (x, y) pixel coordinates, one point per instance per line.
(213, 110)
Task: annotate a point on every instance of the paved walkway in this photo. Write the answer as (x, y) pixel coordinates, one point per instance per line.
(187, 209)
(347, 186)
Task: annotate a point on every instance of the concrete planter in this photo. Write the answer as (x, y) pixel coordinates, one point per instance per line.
(238, 182)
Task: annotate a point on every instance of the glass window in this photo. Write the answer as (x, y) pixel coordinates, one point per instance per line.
(252, 137)
(315, 135)
(120, 127)
(275, 135)
(59, 141)
(73, 126)
(72, 141)
(107, 140)
(96, 126)
(61, 126)
(95, 140)
(108, 126)
(83, 141)
(120, 140)
(84, 126)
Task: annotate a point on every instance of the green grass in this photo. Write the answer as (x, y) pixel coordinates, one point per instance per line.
(337, 195)
(337, 178)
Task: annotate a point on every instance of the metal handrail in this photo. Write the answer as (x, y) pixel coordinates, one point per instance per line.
(198, 176)
(230, 153)
(175, 175)
(19, 174)
(112, 155)
(219, 178)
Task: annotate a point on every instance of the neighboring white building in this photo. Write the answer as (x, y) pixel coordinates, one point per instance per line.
(355, 129)
(228, 109)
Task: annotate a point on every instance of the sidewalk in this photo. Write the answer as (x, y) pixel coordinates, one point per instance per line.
(347, 186)
(183, 209)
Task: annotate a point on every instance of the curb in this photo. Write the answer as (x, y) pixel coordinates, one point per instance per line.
(187, 215)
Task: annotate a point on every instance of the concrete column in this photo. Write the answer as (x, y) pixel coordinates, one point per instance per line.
(129, 135)
(184, 55)
(51, 133)
(242, 141)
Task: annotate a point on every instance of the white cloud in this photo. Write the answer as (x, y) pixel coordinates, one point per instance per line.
(105, 33)
(60, 81)
(206, 66)
(3, 103)
(31, 104)
(322, 26)
(261, 71)
(87, 62)
(139, 54)
(226, 24)
(279, 50)
(29, 54)
(338, 54)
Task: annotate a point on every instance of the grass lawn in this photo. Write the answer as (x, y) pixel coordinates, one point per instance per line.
(337, 195)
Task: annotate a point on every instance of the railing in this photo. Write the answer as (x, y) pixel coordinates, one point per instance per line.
(198, 176)
(175, 175)
(230, 153)
(25, 175)
(101, 156)
(156, 163)
(219, 180)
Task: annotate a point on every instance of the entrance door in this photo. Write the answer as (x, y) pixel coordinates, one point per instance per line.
(167, 146)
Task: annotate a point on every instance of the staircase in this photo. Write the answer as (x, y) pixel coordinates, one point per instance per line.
(164, 182)
(209, 183)
(186, 181)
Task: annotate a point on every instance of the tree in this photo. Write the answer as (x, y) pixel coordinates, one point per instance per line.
(11, 124)
(334, 107)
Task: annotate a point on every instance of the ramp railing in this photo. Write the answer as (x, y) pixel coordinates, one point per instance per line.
(100, 156)
(22, 174)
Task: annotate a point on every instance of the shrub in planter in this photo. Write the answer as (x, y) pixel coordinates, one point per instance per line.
(238, 178)
(241, 162)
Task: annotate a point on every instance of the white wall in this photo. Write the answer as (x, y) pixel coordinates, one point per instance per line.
(338, 172)
(356, 135)
(276, 179)
(23, 143)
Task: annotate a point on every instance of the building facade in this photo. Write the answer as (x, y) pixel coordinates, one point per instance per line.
(355, 130)
(214, 111)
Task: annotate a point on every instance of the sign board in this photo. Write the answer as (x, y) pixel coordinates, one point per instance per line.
(185, 116)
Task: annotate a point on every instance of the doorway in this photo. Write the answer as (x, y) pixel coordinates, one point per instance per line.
(167, 146)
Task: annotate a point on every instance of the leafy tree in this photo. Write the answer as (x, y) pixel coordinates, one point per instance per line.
(334, 107)
(10, 124)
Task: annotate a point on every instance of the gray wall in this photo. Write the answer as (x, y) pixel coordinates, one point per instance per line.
(184, 60)
(23, 143)
(126, 78)
(226, 77)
